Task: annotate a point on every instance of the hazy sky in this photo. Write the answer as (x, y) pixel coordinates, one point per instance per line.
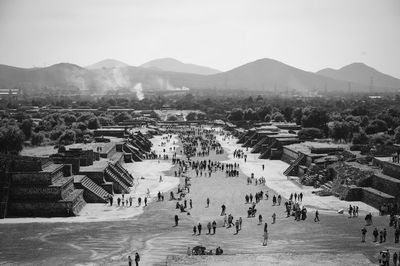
(218, 33)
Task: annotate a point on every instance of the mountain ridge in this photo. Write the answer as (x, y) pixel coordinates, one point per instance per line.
(260, 75)
(174, 65)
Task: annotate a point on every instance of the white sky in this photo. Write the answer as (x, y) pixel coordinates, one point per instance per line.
(223, 34)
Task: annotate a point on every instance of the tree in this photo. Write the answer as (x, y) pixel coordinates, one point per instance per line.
(106, 120)
(26, 127)
(340, 131)
(376, 126)
(56, 133)
(297, 115)
(172, 118)
(250, 115)
(122, 117)
(191, 116)
(37, 138)
(82, 126)
(278, 117)
(263, 111)
(310, 133)
(201, 116)
(11, 139)
(360, 138)
(69, 119)
(287, 113)
(68, 137)
(314, 117)
(93, 123)
(236, 115)
(397, 135)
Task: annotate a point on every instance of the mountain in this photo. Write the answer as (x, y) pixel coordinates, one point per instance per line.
(266, 75)
(173, 65)
(362, 74)
(107, 63)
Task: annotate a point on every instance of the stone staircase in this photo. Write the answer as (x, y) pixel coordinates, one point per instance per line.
(266, 154)
(136, 155)
(257, 148)
(125, 178)
(293, 165)
(119, 187)
(247, 143)
(327, 186)
(93, 193)
(76, 201)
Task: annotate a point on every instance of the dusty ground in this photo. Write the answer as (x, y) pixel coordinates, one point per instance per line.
(335, 240)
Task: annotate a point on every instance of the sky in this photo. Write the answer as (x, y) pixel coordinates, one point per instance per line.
(223, 34)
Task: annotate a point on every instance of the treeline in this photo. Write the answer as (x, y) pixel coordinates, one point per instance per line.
(361, 120)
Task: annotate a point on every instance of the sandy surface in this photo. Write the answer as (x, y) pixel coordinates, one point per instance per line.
(282, 185)
(146, 175)
(335, 240)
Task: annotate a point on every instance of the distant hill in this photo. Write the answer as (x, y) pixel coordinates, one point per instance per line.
(173, 65)
(107, 63)
(362, 74)
(261, 75)
(268, 74)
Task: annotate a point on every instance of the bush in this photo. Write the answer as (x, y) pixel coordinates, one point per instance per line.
(11, 139)
(37, 138)
(310, 133)
(68, 137)
(360, 138)
(93, 123)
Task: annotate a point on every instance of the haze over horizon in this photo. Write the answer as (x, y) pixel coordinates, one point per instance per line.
(311, 35)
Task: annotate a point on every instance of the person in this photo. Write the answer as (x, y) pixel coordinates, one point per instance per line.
(219, 251)
(384, 234)
(145, 201)
(316, 219)
(214, 226)
(273, 218)
(129, 261)
(190, 203)
(363, 233)
(208, 202)
(265, 237)
(225, 220)
(237, 226)
(139, 201)
(137, 259)
(223, 208)
(199, 228)
(240, 223)
(209, 228)
(395, 259)
(265, 227)
(161, 179)
(176, 220)
(260, 219)
(189, 251)
(375, 234)
(194, 230)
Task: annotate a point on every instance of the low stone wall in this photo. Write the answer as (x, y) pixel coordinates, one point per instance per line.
(289, 155)
(38, 178)
(35, 193)
(39, 209)
(391, 169)
(388, 185)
